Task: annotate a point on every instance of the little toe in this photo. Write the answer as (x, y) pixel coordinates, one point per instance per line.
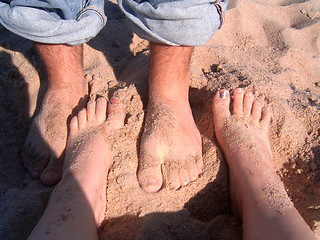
(238, 101)
(41, 163)
(247, 103)
(101, 109)
(52, 173)
(256, 111)
(220, 107)
(35, 174)
(91, 109)
(116, 114)
(184, 177)
(150, 179)
(82, 118)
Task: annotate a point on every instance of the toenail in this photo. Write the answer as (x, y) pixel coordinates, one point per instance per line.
(175, 185)
(151, 182)
(114, 100)
(223, 94)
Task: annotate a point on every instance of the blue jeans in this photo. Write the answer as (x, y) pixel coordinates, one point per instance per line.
(172, 22)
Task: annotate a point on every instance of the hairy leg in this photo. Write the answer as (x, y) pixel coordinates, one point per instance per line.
(257, 193)
(171, 142)
(77, 205)
(44, 146)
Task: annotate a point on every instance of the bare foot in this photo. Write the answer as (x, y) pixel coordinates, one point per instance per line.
(243, 136)
(170, 145)
(88, 153)
(258, 196)
(79, 200)
(43, 151)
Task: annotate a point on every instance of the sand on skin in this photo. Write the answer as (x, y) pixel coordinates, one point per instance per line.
(270, 47)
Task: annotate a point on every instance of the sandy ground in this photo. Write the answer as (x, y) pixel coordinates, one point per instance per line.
(271, 47)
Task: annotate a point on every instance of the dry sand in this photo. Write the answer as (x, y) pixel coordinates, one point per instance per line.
(271, 47)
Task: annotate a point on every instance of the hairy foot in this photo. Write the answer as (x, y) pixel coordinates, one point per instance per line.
(44, 146)
(88, 152)
(43, 150)
(170, 145)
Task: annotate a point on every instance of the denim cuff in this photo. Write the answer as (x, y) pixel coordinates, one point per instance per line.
(51, 24)
(174, 22)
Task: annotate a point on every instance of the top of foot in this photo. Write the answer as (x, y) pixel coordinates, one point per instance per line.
(170, 146)
(88, 154)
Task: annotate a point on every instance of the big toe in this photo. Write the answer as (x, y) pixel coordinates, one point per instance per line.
(220, 107)
(149, 172)
(115, 114)
(150, 179)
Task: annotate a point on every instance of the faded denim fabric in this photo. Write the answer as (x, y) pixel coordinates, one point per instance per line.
(174, 22)
(54, 21)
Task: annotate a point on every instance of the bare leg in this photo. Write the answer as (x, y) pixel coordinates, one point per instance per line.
(77, 205)
(44, 147)
(257, 193)
(170, 139)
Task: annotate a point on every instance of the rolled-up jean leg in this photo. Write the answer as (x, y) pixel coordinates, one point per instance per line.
(54, 21)
(174, 22)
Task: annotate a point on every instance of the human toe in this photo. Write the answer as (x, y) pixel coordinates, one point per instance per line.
(82, 118)
(247, 103)
(150, 179)
(193, 173)
(184, 177)
(174, 179)
(238, 101)
(256, 112)
(101, 109)
(266, 117)
(115, 114)
(52, 173)
(220, 107)
(91, 109)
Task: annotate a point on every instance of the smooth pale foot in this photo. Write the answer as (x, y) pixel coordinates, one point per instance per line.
(242, 132)
(79, 200)
(257, 194)
(170, 145)
(43, 150)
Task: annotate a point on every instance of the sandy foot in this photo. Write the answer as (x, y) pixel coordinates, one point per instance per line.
(257, 194)
(170, 146)
(43, 151)
(88, 153)
(79, 200)
(243, 136)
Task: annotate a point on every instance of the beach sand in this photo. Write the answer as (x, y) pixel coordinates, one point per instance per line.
(270, 47)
